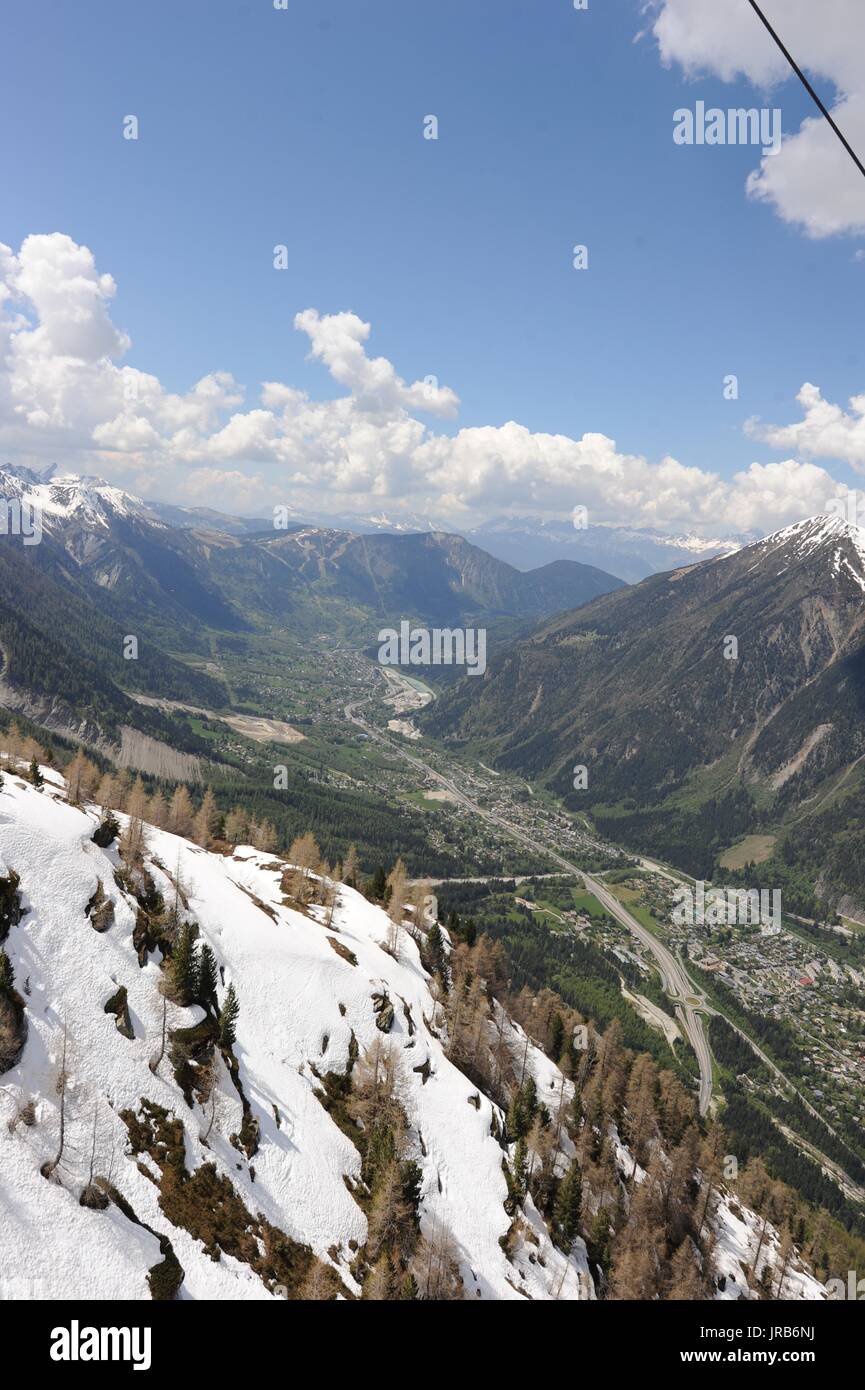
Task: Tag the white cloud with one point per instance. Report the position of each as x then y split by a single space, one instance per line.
826 431
66 395
812 182
338 339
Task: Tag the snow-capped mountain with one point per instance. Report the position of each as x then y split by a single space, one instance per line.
526 542
840 543
138 1158
62 498
663 690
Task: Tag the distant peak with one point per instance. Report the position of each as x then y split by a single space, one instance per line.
815 531
842 542
59 495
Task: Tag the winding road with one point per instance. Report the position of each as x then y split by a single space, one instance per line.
687 997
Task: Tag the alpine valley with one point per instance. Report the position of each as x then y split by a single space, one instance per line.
322 978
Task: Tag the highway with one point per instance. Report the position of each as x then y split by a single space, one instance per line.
676 982
675 979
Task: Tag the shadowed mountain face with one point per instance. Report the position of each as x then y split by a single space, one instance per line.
104 566
433 576
182 579
63 661
756 658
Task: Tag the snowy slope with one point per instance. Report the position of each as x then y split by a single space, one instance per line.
843 543
300 1003
66 497
738 1240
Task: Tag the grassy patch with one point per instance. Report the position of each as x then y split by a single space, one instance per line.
754 849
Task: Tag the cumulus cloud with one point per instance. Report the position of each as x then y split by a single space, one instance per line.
812 181
825 431
67 394
337 340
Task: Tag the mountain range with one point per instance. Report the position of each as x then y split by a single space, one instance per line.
630 553
701 703
526 542
108 566
219 573
715 700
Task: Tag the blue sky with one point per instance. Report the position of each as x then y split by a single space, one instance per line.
304 127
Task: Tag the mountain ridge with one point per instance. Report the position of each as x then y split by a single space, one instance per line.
755 657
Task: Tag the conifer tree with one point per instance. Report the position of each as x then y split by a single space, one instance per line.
132 841
379 1282
35 775
557 1036
686 1282
396 892
205 821
108 792
228 1019
377 885
520 1168
180 812
266 838
73 773
184 965
304 854
11 742
436 956
207 977
124 788
350 868
236 826
567 1206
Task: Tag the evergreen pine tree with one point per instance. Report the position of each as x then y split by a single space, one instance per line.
377 885
184 965
567 1206
436 957
228 1018
599 1239
520 1167
207 977
35 775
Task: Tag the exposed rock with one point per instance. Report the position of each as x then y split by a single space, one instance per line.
118 1006
383 1009
100 910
